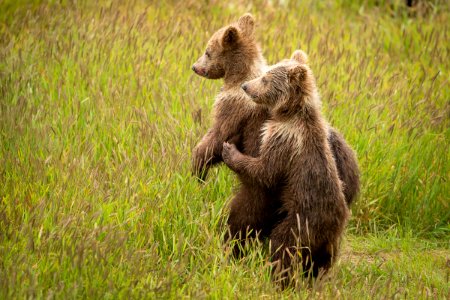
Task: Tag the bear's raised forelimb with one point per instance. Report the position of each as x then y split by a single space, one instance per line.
255 168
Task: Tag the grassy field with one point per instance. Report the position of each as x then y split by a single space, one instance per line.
99 112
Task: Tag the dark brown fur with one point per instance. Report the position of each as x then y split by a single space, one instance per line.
232 54
295 156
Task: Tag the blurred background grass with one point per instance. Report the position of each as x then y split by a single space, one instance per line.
99 112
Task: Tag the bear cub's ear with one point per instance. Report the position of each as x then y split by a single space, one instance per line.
230 37
246 23
300 56
297 74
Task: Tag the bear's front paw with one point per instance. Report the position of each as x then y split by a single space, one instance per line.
229 152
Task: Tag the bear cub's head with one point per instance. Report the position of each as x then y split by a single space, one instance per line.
230 45
287 84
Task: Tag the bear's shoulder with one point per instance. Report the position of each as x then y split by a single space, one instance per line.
233 98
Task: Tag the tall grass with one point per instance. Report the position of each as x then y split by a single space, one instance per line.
99 112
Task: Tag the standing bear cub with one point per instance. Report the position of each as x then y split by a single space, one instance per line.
295 155
233 54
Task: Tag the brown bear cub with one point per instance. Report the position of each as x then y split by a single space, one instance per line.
295 155
233 54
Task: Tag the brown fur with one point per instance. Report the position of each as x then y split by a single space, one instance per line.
296 156
236 59
232 53
343 154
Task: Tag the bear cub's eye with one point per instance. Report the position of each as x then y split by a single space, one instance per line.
208 55
264 80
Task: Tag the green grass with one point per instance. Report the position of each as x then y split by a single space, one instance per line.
99 112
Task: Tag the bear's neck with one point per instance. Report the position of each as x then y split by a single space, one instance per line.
309 123
305 111
243 70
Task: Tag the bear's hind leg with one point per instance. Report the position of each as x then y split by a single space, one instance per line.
291 251
252 215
